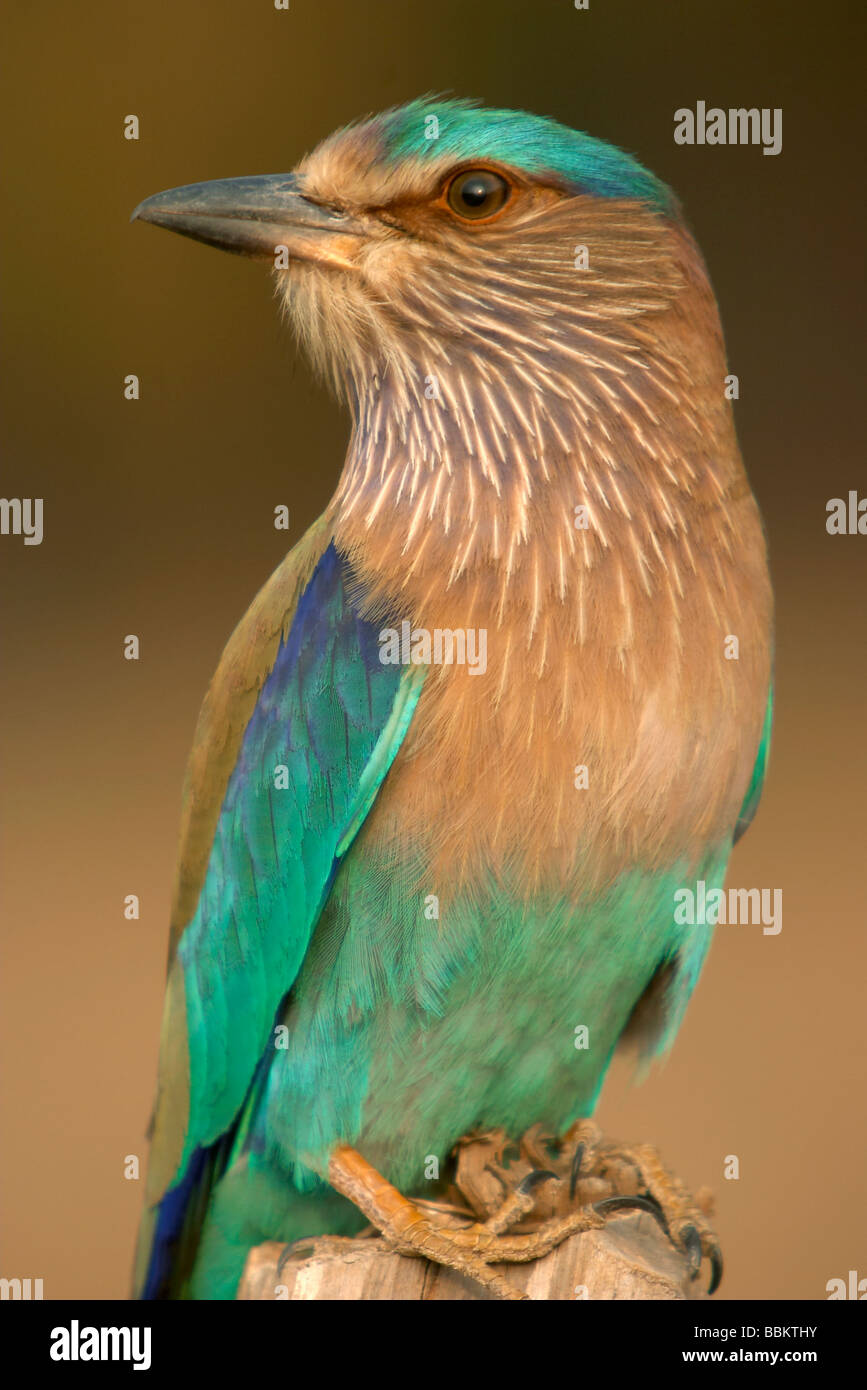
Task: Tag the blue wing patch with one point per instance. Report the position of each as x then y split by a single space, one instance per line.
327 725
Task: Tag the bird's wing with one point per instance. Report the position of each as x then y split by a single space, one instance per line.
297 733
757 781
659 1012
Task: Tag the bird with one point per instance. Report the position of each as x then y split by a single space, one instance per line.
507 697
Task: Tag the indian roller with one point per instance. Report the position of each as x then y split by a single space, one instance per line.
406 883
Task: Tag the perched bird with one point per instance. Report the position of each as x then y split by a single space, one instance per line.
507 696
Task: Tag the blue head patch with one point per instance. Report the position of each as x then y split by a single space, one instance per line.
534 144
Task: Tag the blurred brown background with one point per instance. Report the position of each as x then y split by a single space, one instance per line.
158 521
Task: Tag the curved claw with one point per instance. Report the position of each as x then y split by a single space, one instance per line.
574 1175
496 1172
533 1179
694 1248
296 1250
691 1242
716 1270
609 1204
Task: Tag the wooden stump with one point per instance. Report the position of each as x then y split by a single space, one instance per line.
630 1257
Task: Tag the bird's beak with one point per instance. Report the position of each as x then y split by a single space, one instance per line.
255 217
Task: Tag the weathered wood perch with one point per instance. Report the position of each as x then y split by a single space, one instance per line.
630 1257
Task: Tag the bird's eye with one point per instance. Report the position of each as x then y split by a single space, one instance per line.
477 193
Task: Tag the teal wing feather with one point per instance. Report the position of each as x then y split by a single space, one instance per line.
324 730
757 781
658 1015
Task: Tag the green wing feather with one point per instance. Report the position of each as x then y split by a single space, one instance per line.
298 731
757 781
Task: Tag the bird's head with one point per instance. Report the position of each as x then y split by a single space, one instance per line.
491 291
440 230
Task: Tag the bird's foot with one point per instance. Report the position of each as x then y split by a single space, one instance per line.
413 1229
496 1215
549 1181
637 1172
421 1229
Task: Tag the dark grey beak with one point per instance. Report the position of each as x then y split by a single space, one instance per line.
253 217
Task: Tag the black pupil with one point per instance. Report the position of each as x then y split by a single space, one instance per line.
475 191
